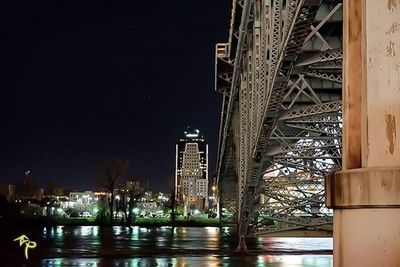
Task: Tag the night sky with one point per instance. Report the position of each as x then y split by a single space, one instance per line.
83 81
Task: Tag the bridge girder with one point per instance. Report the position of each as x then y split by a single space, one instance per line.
280 131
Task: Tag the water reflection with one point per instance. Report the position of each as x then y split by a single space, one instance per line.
294 244
211 261
295 260
167 246
70 262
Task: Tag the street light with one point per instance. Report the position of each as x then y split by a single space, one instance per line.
95 210
135 210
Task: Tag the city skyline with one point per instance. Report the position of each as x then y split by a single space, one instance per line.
80 86
126 176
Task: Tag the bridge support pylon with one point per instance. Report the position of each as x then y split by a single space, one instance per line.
242 248
365 195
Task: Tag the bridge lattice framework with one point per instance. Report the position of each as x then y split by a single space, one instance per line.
280 75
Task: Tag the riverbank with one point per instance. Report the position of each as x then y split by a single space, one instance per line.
145 222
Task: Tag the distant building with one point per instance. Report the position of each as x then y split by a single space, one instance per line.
61 191
135 185
83 197
131 188
191 171
27 189
8 190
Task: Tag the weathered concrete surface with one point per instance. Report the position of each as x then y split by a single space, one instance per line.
366 238
366 194
366 187
382 97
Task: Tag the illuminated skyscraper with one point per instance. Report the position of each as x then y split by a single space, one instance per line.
191 171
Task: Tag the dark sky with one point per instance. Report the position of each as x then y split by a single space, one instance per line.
83 81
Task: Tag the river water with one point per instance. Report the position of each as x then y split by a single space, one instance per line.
158 246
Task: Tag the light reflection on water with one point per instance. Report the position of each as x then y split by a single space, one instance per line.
211 261
182 246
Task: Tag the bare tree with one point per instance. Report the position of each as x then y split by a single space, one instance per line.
134 194
173 207
110 172
121 204
172 200
127 201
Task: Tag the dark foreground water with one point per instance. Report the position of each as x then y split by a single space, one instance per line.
161 246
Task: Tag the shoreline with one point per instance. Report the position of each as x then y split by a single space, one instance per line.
143 222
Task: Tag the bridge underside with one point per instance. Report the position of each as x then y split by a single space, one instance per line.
280 75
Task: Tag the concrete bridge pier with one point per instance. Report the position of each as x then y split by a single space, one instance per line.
242 248
365 195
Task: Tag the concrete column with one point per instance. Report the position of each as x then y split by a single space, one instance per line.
241 248
365 195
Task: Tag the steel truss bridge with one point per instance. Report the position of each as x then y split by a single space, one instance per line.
280 75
